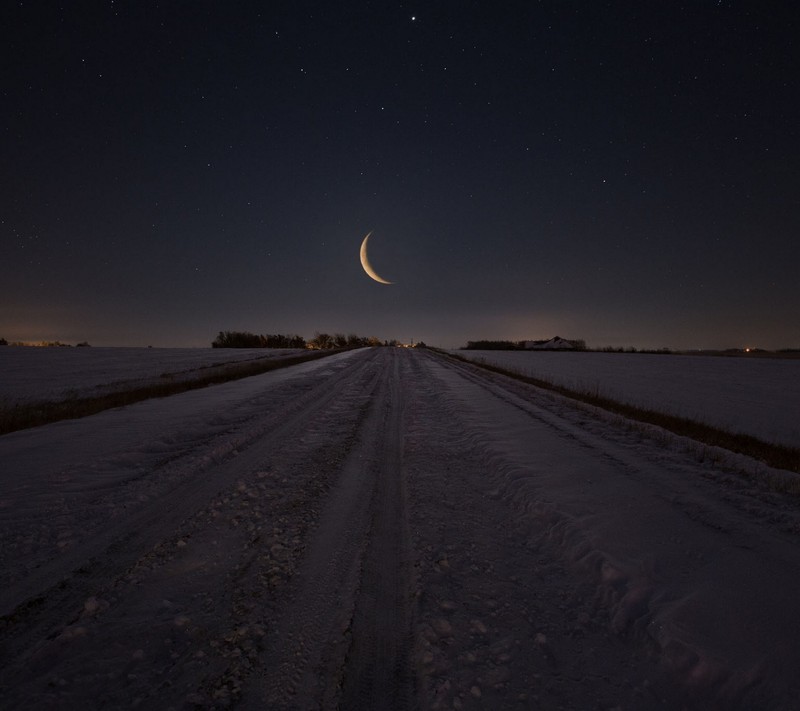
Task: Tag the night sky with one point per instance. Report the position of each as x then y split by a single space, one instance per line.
621 172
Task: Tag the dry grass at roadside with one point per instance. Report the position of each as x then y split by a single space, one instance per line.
22 416
773 455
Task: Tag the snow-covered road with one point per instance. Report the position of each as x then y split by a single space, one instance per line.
386 529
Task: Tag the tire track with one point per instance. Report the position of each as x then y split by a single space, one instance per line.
503 622
378 671
46 602
643 527
343 637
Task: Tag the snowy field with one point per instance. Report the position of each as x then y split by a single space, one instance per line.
755 396
29 374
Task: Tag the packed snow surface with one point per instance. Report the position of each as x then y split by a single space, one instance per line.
388 529
755 396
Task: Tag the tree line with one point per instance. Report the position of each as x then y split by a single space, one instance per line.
320 341
493 346
42 344
245 339
485 345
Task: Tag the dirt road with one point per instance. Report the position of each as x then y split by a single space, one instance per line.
386 529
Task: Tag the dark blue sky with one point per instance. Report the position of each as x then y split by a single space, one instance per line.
621 172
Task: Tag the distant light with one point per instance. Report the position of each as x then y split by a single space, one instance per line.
746 350
413 18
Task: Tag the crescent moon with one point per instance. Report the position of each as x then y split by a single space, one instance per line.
367 266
